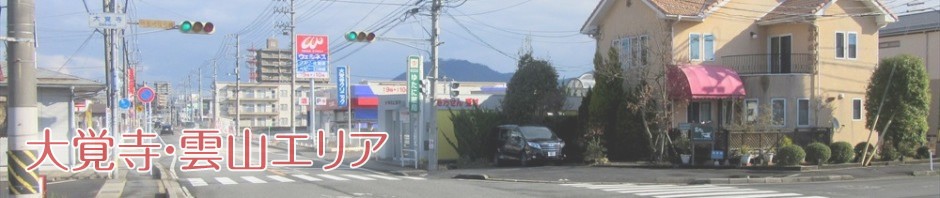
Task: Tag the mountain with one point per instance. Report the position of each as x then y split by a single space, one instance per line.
462 70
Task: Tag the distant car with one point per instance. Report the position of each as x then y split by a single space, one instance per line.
526 144
166 130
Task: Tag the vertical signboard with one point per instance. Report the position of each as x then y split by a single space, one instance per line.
341 97
131 81
312 56
415 71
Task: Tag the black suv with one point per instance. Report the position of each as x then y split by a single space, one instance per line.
526 144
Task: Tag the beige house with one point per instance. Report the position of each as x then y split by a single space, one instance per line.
807 61
919 35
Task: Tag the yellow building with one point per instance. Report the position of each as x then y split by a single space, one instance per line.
809 61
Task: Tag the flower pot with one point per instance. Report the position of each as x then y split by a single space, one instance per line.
769 158
685 158
746 160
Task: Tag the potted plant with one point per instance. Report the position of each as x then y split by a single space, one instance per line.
682 146
769 156
745 155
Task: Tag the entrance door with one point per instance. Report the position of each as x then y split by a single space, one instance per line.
780 61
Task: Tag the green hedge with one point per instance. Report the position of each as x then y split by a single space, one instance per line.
817 153
923 153
889 153
842 152
791 155
860 147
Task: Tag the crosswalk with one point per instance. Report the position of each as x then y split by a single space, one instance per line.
680 191
197 182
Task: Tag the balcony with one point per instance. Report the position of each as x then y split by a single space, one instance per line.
257 98
760 64
256 113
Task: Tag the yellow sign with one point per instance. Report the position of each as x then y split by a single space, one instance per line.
140 108
88 118
154 23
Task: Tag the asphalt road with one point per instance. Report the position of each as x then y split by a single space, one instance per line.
346 182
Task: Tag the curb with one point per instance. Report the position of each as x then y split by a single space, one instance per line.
925 173
686 180
472 176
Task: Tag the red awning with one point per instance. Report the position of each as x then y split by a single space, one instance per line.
705 82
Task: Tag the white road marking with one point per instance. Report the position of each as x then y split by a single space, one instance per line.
357 177
675 191
280 179
414 178
383 177
197 182
723 194
225 180
760 195
332 177
308 178
253 179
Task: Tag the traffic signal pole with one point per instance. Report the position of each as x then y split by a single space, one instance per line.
24 114
432 129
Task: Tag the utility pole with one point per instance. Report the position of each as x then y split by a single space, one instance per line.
432 129
215 95
24 114
293 71
110 6
238 79
289 30
199 98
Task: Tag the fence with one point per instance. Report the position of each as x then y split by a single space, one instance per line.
768 139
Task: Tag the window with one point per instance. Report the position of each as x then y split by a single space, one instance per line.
853 45
709 47
283 93
779 111
633 51
802 112
284 122
750 110
695 46
283 107
846 45
857 109
727 112
699 112
889 44
840 45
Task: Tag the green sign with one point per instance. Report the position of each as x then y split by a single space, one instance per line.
703 133
415 72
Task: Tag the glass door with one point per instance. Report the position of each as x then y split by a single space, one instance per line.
780 61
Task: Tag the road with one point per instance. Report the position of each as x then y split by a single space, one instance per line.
346 182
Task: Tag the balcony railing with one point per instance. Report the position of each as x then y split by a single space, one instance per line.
254 112
793 63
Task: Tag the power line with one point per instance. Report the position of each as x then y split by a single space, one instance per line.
80 47
497 10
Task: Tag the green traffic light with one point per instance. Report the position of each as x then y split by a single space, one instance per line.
352 36
186 26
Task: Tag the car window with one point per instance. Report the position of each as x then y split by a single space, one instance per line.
537 133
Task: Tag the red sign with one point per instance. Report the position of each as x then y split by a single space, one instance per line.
312 44
304 101
130 81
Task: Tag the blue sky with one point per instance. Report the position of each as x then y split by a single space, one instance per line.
171 55
497 28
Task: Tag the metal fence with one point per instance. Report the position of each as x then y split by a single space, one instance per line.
770 63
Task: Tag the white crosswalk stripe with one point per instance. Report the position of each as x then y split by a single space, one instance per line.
197 182
332 177
383 177
225 181
253 179
280 179
681 191
308 178
358 177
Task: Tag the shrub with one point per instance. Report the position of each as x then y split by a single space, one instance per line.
860 147
791 155
818 153
923 153
841 152
785 141
595 152
889 153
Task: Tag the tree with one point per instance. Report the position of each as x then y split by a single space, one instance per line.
906 97
533 91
